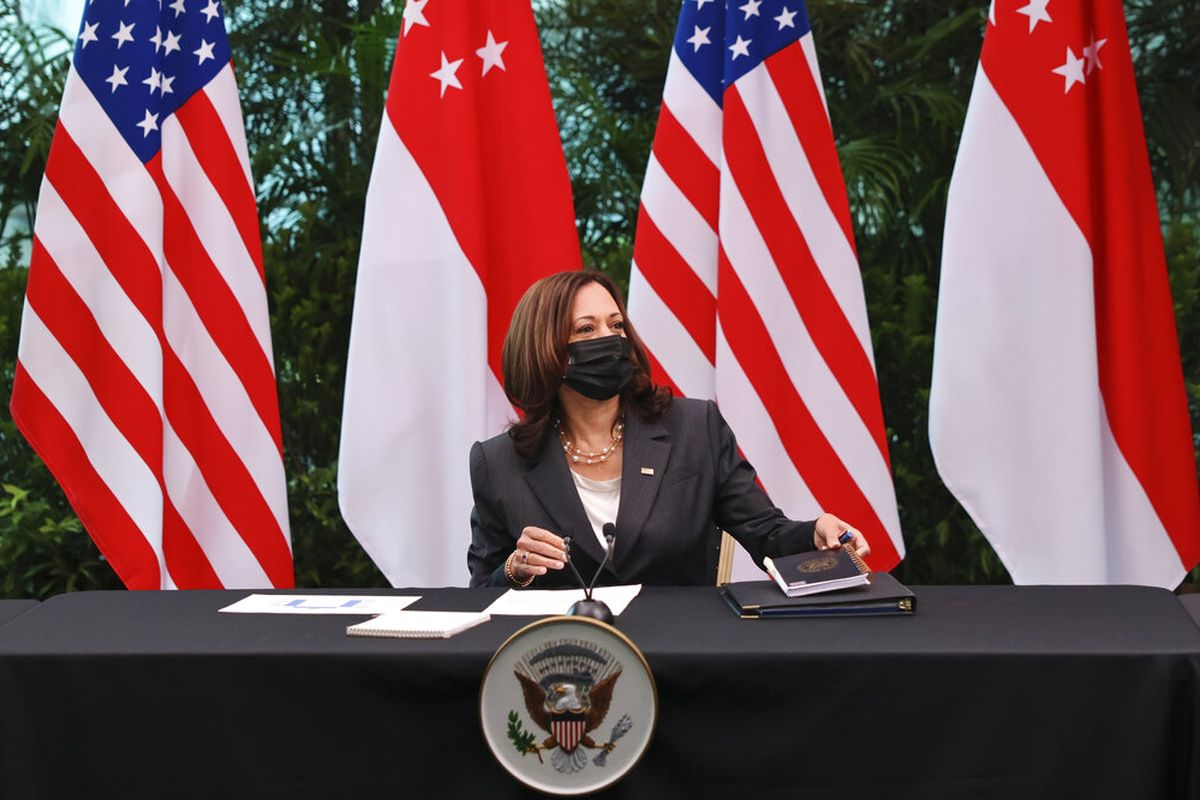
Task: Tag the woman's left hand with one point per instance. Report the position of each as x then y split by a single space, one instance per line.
829 528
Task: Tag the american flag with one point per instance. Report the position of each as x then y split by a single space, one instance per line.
144 377
745 283
469 204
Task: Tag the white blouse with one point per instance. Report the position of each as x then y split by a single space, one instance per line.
601 499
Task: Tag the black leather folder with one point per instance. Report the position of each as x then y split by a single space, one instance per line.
883 596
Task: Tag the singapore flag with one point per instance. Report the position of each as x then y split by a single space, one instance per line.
1057 411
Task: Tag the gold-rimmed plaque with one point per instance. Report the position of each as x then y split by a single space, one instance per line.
568 705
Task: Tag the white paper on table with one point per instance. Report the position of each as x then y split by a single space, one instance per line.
545 602
319 604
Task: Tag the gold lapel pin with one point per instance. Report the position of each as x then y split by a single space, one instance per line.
647 470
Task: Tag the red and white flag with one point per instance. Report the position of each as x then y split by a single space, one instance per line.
145 378
469 204
745 283
1057 411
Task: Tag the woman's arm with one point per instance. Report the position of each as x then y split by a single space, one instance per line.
490 541
741 507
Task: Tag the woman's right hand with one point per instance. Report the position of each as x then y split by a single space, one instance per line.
537 551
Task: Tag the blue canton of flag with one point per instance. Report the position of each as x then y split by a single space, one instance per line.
721 40
143 60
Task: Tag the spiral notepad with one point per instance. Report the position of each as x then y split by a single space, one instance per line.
418 624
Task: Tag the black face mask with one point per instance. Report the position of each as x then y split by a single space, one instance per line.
599 368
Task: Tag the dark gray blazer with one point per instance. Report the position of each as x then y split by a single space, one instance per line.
669 522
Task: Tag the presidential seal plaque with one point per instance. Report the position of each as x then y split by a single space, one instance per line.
568 705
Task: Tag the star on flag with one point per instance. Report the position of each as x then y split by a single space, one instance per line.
124 34
117 78
740 47
150 123
414 14
1071 70
1091 54
88 34
446 74
699 38
491 53
1036 11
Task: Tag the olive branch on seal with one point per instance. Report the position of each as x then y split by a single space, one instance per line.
522 739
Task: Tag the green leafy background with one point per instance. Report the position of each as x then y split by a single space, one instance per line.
313 75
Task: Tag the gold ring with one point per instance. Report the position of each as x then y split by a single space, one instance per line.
524 557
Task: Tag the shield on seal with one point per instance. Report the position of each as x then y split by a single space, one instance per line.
568 729
568 705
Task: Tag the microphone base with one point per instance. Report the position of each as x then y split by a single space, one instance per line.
594 609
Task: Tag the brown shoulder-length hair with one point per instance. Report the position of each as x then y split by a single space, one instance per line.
534 358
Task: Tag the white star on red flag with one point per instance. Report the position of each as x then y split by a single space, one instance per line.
1091 54
446 74
414 14
1071 70
1036 11
491 53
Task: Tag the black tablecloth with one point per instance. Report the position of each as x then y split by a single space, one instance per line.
1191 602
987 692
11 609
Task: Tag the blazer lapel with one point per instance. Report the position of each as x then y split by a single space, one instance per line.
647 449
550 480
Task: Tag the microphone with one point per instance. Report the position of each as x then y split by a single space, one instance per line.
588 606
574 569
610 537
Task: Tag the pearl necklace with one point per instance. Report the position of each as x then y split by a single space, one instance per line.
577 456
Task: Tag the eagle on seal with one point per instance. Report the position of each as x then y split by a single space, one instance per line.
569 699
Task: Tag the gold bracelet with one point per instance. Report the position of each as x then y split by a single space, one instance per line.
511 577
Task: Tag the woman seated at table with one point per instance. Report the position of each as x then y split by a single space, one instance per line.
599 443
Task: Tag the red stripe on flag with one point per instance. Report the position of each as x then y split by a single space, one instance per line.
228 479
680 289
217 157
123 399
818 308
120 247
687 166
659 375
816 461
113 530
218 308
185 559
797 87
